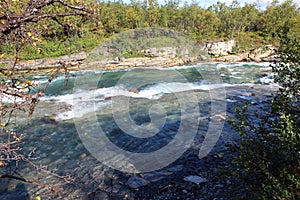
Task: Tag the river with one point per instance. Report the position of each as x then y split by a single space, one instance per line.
151 117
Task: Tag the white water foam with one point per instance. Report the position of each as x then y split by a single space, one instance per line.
269 79
90 100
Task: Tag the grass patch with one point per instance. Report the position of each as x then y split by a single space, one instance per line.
55 48
133 54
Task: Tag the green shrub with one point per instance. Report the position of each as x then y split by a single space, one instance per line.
133 54
269 151
247 41
55 48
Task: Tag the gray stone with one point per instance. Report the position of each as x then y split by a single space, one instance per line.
176 168
203 58
74 57
232 58
258 54
136 182
153 176
101 196
218 118
160 52
195 179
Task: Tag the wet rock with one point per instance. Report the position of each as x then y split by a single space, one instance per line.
116 188
254 103
49 118
101 196
82 156
195 179
156 176
135 182
134 90
176 168
217 118
244 97
231 100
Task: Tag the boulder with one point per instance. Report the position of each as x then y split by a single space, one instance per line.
232 58
134 90
135 182
221 48
160 52
261 53
195 179
74 57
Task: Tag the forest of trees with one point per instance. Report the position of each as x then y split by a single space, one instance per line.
60 34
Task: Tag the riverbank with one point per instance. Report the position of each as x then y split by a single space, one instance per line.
152 57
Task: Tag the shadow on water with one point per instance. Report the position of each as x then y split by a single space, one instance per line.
10 189
57 146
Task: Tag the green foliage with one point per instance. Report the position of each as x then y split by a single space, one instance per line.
130 43
269 158
132 54
247 41
55 48
250 25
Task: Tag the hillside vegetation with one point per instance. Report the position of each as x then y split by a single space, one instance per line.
57 35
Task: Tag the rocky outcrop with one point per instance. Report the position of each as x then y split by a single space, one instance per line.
261 53
267 53
221 48
135 182
71 61
153 57
161 52
231 58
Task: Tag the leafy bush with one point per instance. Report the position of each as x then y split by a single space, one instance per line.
269 151
133 54
247 41
55 47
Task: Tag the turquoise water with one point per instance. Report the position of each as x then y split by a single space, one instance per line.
95 102
229 73
148 102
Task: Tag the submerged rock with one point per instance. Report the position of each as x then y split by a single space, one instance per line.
176 168
195 179
218 117
134 90
136 182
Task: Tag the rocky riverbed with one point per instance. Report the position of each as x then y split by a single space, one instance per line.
59 146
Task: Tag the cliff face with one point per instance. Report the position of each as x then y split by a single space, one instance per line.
222 48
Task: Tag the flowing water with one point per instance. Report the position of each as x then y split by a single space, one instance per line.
139 110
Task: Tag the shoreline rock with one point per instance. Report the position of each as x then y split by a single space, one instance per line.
154 57
268 53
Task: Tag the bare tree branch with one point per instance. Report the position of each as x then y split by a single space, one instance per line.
32 14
